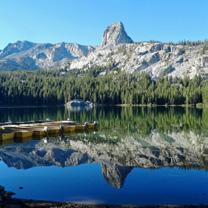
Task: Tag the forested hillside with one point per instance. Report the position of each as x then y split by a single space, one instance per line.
51 88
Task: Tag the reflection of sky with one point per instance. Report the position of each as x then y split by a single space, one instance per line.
85 184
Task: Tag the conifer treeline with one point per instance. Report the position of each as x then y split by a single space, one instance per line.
51 88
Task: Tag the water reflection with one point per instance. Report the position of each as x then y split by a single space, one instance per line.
127 138
131 154
117 152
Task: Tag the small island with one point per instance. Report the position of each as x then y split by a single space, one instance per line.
79 104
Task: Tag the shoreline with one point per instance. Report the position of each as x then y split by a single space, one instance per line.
7 201
21 203
200 105
31 106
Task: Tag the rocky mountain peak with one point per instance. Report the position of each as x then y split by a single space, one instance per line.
115 34
16 47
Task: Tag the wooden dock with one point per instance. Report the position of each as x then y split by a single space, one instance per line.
18 131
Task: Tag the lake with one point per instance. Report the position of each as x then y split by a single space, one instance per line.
137 156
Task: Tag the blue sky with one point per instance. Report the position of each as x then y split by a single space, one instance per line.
84 21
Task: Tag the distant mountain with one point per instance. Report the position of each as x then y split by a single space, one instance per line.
115 34
28 55
117 51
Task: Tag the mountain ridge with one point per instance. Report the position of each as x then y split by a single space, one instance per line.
117 50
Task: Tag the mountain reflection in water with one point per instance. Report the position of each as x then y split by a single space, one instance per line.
128 143
116 155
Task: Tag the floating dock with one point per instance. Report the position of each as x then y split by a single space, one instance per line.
21 131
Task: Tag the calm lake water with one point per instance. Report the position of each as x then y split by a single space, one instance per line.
137 156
